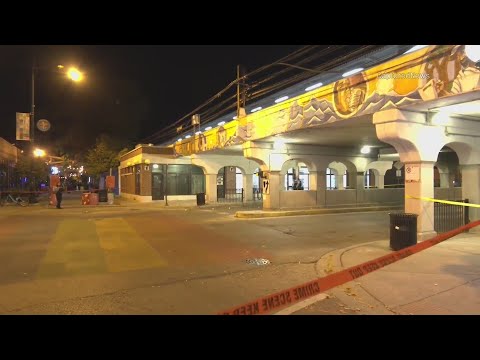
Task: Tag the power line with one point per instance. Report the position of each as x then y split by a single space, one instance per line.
329 55
285 58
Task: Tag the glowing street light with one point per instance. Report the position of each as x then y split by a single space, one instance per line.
74 74
39 153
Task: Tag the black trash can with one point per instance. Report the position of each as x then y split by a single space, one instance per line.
102 196
200 199
403 230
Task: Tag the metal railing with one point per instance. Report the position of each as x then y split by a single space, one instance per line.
448 217
230 195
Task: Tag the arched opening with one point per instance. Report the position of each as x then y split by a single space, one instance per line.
256 185
447 175
331 179
297 178
451 154
457 178
238 179
337 176
447 181
230 184
395 177
436 177
447 172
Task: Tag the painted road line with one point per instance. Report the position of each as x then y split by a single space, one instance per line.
124 248
301 305
74 250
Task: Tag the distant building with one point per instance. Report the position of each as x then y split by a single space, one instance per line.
8 158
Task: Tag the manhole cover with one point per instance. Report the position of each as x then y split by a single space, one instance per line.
259 262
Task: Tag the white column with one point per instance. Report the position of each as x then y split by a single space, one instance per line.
339 182
421 188
471 188
360 187
380 181
248 187
418 144
321 187
312 180
380 167
211 188
272 200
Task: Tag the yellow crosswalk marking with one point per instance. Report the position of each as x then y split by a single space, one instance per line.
124 249
74 250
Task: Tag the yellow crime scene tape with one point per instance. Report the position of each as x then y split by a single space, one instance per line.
443 201
287 297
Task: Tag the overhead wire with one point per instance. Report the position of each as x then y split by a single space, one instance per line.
367 64
215 111
288 57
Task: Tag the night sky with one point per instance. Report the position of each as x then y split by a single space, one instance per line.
129 92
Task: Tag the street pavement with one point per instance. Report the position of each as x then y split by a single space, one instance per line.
131 258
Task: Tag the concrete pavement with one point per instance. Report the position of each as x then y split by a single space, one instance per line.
443 279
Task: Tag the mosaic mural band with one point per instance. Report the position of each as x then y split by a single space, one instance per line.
430 73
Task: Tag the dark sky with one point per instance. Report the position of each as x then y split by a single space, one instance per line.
129 92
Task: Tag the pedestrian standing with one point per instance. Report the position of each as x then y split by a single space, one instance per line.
59 195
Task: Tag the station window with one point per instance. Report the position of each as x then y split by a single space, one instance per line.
331 180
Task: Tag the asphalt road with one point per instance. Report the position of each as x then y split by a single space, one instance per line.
144 259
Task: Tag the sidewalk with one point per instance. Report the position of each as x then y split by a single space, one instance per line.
443 279
72 200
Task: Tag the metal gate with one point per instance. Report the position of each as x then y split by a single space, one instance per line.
230 195
448 217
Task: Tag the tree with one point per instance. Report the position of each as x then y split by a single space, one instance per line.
102 157
33 168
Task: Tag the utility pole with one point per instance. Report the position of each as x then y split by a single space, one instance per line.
165 185
32 114
241 92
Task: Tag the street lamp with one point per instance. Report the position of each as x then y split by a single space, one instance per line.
52 160
73 74
39 152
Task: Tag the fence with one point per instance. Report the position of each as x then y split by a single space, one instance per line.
230 195
448 217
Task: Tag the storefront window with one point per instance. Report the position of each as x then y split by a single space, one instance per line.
183 179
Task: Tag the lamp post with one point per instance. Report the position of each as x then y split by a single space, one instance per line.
166 185
72 73
32 114
39 152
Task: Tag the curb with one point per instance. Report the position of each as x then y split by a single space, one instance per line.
352 294
266 214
